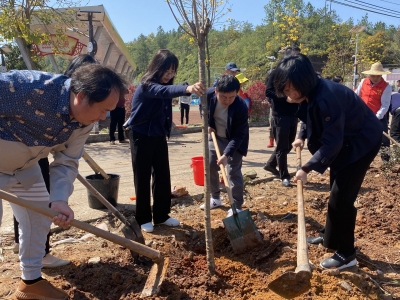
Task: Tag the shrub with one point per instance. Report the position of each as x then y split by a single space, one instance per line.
128 100
259 107
259 111
256 91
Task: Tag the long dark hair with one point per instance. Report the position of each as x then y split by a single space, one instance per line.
161 62
78 61
298 70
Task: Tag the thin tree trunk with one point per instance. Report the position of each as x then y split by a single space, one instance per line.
208 63
204 108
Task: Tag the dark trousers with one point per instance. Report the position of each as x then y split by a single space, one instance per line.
284 130
150 161
117 119
341 217
395 125
45 168
185 110
385 121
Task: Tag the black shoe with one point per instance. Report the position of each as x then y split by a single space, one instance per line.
315 240
339 261
286 183
274 171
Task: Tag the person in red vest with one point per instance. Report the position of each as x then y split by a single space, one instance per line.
376 93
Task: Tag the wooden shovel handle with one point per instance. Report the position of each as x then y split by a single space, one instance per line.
95 167
223 171
390 138
151 253
221 166
302 249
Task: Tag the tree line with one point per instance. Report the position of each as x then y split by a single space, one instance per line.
320 33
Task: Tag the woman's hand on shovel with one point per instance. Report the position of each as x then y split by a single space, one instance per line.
298 143
66 214
300 175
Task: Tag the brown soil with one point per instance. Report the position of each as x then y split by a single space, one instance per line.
244 276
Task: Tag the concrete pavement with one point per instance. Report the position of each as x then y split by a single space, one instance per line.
116 159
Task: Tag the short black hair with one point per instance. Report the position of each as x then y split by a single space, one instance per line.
78 61
337 79
298 70
398 80
96 82
227 83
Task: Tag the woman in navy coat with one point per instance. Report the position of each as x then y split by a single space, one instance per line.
342 134
150 126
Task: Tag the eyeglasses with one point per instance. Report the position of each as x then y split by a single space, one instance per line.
170 74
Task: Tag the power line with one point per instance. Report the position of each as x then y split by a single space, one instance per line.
376 6
389 2
375 12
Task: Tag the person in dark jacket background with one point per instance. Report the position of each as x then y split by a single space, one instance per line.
284 127
343 134
228 118
117 117
150 125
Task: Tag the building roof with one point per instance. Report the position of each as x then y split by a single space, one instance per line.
111 49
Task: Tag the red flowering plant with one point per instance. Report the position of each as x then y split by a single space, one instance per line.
128 100
259 109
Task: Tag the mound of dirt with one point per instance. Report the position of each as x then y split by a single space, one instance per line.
102 270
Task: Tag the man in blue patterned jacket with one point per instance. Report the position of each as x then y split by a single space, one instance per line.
42 113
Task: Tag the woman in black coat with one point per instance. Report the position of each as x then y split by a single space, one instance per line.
342 134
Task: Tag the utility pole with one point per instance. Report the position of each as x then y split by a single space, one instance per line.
356 30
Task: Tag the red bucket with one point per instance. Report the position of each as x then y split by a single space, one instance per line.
198 170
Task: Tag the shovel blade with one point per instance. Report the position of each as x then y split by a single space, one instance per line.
155 278
291 284
242 232
131 231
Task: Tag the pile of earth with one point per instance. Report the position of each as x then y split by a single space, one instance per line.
102 270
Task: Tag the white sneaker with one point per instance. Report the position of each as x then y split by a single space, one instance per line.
214 203
50 261
171 222
230 212
147 227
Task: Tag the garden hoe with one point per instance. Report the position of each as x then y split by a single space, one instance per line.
242 231
131 230
157 271
392 139
292 284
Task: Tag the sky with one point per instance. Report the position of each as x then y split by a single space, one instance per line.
134 17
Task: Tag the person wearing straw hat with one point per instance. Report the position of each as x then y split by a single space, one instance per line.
376 93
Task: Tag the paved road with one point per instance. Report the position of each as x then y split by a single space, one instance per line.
116 160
